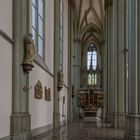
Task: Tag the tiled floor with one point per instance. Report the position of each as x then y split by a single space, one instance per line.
83 130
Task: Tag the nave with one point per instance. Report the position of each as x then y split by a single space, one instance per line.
65 59
83 130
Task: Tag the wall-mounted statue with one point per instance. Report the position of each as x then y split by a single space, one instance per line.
29 53
60 78
47 94
38 90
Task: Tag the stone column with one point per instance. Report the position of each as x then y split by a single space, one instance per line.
56 114
70 37
76 74
117 71
132 130
107 67
20 117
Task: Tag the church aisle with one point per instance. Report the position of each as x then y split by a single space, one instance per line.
83 131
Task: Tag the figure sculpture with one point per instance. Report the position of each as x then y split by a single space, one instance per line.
60 77
29 53
29 50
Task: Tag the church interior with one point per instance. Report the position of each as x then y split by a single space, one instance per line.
69 70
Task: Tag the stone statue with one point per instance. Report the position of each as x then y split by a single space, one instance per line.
30 49
60 77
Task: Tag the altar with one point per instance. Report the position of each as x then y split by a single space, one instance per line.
90 101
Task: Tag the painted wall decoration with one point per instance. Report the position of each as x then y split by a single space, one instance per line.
47 94
38 90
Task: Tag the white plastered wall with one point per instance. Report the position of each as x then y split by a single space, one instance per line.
5 68
42 111
5 87
6 16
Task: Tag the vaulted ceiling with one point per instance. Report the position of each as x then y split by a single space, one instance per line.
89 15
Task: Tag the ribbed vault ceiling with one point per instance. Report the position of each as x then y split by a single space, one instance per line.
89 12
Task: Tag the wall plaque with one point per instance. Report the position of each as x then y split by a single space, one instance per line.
47 94
38 90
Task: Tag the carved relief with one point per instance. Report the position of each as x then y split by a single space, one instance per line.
47 94
38 90
29 53
60 77
90 101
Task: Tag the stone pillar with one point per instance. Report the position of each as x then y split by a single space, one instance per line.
70 37
107 67
126 56
20 117
132 130
117 71
76 75
56 114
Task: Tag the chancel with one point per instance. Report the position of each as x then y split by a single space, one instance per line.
69 69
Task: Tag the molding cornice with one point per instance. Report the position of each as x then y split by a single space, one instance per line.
42 64
6 37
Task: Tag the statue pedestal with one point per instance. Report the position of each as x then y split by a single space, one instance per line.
27 67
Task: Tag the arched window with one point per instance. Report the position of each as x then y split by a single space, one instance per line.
92 64
92 57
92 79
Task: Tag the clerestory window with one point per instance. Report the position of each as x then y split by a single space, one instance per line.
38 24
92 57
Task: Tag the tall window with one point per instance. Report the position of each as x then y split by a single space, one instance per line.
92 57
92 64
61 35
92 79
38 24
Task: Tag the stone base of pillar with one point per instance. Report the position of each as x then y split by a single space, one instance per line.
20 126
131 137
69 117
118 120
56 123
107 118
132 127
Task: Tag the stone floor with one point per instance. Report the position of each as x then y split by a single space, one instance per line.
83 130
